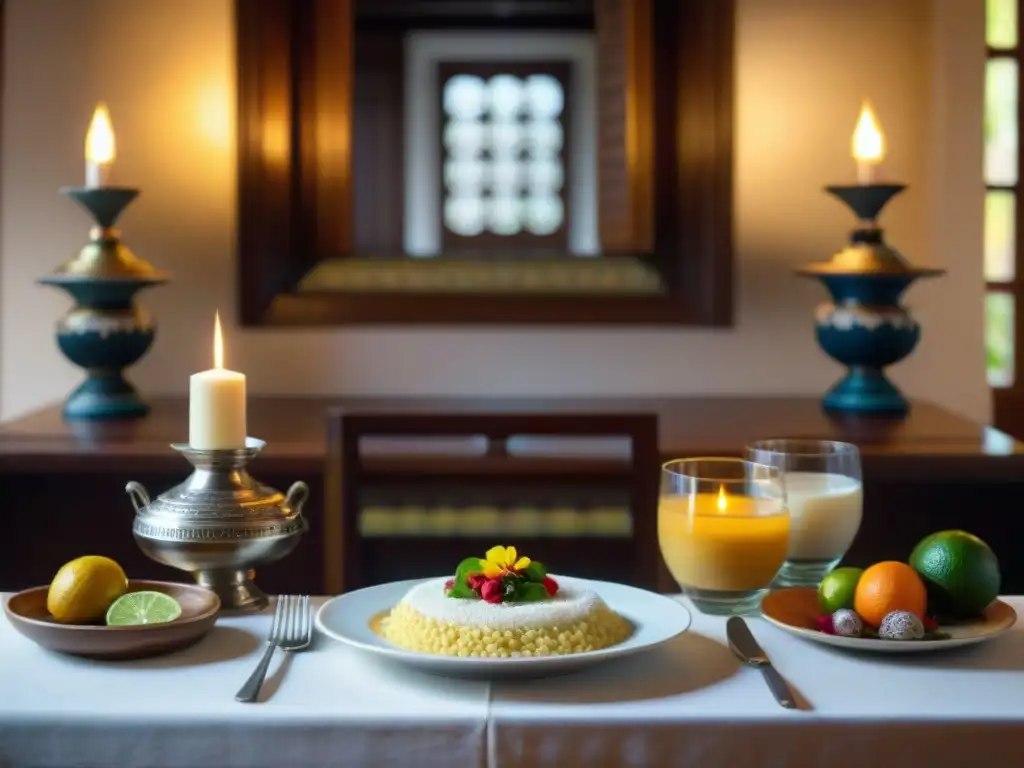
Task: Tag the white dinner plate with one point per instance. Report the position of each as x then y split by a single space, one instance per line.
795 610
656 619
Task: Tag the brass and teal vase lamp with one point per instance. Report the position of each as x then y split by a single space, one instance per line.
106 331
865 327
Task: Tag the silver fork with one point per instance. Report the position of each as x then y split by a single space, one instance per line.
290 630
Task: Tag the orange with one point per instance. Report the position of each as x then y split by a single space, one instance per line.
886 587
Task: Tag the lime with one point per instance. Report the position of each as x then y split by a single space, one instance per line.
84 588
960 571
836 590
143 608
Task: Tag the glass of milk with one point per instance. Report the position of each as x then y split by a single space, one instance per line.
825 498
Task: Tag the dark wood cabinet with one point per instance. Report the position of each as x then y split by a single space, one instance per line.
63 485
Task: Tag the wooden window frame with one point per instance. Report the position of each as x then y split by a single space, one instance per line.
562 72
1008 402
295 196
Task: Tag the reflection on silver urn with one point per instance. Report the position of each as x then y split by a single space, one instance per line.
220 523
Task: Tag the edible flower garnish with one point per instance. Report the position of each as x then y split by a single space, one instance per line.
501 576
500 560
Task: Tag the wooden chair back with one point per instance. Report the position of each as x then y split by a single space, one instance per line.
408 495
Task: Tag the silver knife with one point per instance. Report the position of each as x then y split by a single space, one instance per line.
749 652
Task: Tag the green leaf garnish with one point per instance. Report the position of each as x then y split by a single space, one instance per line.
462 591
468 566
530 592
460 588
535 572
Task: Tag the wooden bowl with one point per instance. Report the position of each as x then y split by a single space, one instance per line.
199 609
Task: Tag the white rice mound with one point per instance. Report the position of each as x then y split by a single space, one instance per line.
575 620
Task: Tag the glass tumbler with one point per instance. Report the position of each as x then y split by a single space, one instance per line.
825 498
723 529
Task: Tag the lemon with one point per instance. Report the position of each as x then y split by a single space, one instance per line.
143 607
84 588
836 590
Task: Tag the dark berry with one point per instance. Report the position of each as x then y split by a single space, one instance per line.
492 591
475 580
824 624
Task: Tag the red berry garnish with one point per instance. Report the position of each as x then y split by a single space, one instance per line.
475 580
930 624
449 584
550 585
492 591
824 624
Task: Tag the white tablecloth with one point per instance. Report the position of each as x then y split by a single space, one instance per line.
688 704
325 706
692 704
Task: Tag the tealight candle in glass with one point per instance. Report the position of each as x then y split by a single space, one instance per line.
723 528
825 498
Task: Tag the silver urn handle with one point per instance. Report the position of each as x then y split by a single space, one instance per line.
139 496
296 496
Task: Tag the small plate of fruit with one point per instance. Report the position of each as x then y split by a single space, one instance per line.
945 595
92 609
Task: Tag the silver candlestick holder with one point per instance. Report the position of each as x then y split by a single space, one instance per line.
220 523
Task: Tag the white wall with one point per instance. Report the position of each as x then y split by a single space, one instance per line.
165 69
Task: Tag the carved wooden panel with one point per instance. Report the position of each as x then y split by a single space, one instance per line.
624 119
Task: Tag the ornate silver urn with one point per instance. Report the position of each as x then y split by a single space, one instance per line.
220 523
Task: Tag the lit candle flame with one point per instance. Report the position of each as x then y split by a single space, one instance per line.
218 343
721 498
868 143
100 147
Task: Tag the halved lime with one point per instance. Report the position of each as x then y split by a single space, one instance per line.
137 608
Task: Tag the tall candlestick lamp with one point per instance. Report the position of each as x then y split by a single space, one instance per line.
105 332
864 327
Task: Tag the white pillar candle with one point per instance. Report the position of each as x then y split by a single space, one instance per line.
96 175
100 148
216 404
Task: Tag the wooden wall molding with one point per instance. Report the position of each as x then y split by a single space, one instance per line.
666 198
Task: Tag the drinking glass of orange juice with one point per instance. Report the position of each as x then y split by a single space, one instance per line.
723 527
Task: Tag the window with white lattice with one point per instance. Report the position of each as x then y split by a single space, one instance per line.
503 137
569 138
